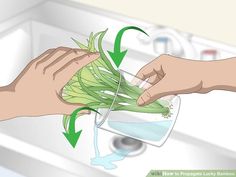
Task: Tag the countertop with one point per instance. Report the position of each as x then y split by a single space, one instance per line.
206 18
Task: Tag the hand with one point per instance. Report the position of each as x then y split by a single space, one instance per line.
37 90
170 75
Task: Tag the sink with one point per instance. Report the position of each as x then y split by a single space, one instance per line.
37 147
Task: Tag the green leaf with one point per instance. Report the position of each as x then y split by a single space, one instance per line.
103 55
84 100
90 77
82 46
90 41
65 122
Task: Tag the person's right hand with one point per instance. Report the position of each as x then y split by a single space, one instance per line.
169 75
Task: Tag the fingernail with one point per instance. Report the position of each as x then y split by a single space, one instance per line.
85 112
75 51
94 53
136 82
140 101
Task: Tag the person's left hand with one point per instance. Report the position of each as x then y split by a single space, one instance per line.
37 90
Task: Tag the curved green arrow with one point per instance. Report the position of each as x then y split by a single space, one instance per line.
117 55
71 135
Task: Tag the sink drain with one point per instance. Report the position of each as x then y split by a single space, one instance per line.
122 145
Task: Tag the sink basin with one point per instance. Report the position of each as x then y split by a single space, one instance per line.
37 147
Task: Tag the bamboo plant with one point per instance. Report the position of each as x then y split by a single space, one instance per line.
96 85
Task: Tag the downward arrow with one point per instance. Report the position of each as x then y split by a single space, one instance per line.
71 135
117 55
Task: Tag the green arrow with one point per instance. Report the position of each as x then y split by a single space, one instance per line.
71 135
117 56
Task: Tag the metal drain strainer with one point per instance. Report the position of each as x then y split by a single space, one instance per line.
122 145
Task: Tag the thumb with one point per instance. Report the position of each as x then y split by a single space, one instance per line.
68 108
162 88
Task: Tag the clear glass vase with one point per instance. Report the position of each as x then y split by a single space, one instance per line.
151 124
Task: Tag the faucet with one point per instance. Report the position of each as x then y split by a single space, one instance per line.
169 41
